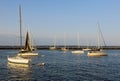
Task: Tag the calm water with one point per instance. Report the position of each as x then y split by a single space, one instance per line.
62 66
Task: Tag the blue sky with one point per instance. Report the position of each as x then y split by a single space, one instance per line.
50 18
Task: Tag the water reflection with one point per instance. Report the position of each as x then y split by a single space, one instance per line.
19 71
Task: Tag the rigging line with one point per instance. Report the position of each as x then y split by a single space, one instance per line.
101 34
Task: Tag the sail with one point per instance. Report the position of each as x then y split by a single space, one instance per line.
27 43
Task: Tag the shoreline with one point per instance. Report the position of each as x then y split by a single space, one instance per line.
72 47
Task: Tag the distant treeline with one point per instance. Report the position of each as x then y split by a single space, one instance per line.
59 47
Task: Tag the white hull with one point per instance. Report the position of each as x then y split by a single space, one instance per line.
18 60
64 49
52 48
87 49
97 53
28 54
78 52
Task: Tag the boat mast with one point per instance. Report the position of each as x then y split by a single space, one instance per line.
98 35
54 41
20 26
78 40
64 40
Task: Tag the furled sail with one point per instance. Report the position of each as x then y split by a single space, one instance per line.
27 43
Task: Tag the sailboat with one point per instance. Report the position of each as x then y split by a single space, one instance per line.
28 49
87 48
98 51
18 59
64 48
54 46
78 51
